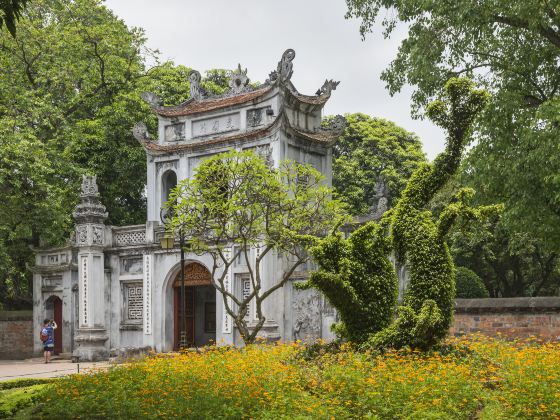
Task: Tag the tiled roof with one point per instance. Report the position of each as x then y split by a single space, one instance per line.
321 136
205 105
311 100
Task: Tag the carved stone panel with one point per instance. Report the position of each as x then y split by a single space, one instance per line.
133 302
254 117
175 132
306 314
210 126
131 265
81 235
97 235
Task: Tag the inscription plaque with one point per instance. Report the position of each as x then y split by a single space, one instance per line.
216 125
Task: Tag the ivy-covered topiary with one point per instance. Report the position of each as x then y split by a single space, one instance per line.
418 239
358 280
356 274
470 285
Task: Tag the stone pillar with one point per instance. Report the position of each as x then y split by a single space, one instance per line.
90 215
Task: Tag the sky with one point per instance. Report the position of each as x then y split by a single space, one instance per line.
207 34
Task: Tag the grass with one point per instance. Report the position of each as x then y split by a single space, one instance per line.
474 377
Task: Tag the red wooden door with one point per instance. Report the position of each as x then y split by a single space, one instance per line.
189 316
57 314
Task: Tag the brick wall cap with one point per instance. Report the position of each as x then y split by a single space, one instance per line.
16 315
520 304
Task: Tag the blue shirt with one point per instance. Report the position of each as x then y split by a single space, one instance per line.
49 331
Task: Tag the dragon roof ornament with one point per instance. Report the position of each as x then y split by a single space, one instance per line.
197 91
327 87
238 81
201 101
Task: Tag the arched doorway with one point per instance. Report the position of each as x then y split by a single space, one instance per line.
53 310
200 307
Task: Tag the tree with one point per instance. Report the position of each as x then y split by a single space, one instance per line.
69 95
512 49
10 12
469 285
358 271
510 263
235 205
373 149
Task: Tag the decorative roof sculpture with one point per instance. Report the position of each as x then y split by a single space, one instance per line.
243 94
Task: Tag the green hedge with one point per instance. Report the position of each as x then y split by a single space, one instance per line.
12 400
470 285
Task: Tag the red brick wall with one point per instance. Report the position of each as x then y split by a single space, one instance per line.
16 334
511 317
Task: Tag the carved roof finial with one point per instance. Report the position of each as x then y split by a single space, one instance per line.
140 132
89 185
197 92
380 200
151 98
238 80
327 87
285 66
337 124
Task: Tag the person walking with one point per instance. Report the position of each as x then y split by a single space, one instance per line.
47 337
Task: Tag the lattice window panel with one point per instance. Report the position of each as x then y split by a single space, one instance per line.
134 301
135 237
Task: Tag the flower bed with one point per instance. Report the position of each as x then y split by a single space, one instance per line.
470 377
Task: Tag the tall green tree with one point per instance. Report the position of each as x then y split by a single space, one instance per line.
10 12
234 205
70 88
511 48
373 149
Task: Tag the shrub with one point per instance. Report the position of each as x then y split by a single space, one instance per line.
470 285
358 280
15 399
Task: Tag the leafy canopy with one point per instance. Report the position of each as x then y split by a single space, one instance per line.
236 206
373 149
69 95
10 12
512 49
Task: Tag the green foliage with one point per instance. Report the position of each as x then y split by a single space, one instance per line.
469 285
372 149
10 12
510 263
479 378
24 382
357 279
512 49
69 96
236 200
418 239
12 400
